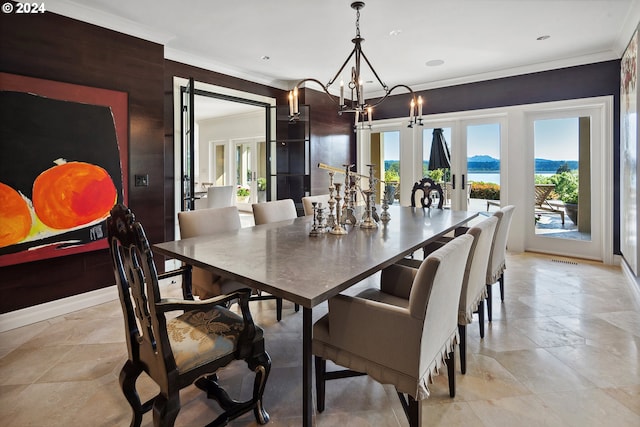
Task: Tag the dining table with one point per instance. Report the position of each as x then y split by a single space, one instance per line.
283 259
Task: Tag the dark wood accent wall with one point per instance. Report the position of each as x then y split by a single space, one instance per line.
585 81
332 138
54 47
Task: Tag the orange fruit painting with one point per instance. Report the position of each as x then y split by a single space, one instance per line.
73 194
15 217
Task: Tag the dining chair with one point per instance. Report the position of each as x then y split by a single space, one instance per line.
400 333
275 211
430 190
474 290
174 350
497 257
307 201
207 222
220 196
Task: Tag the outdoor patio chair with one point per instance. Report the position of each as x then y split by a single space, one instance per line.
543 192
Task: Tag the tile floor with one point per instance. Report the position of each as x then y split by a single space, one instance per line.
563 350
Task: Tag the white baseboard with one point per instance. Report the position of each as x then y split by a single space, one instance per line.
48 310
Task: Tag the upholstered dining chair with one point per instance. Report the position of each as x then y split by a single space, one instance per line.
207 222
220 196
274 211
179 350
399 334
308 200
497 258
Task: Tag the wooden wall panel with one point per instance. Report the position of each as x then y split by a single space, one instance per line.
53 47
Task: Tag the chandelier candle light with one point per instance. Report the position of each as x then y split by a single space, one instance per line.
357 103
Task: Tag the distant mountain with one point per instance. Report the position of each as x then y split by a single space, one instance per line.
482 158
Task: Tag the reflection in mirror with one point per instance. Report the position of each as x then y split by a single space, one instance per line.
562 181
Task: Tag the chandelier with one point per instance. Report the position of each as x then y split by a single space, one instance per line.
356 102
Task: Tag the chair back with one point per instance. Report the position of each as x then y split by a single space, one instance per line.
430 191
308 200
137 282
274 211
543 191
499 247
207 222
435 296
474 288
220 196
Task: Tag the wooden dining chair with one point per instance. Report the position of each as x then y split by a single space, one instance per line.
430 191
275 211
400 333
174 350
497 258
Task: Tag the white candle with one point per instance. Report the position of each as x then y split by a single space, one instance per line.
369 110
420 107
411 109
295 100
341 92
290 103
362 92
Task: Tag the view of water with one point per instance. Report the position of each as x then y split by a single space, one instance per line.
494 177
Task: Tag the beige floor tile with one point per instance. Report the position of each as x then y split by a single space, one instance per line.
590 407
515 411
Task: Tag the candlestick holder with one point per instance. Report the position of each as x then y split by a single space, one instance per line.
331 219
315 229
367 221
337 227
385 216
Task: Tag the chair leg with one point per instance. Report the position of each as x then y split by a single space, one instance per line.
259 383
502 287
128 376
451 372
481 318
279 309
321 368
489 303
296 307
165 409
462 347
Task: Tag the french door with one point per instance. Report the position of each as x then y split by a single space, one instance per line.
564 152
473 177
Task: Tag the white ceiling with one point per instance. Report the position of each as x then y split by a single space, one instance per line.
476 39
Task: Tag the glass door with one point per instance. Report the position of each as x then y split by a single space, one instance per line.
385 155
249 164
564 215
471 179
188 148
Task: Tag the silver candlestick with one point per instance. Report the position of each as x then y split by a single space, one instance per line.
337 227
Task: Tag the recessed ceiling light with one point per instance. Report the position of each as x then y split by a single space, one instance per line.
265 58
545 37
434 63
395 32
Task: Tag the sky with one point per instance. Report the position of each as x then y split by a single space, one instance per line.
555 139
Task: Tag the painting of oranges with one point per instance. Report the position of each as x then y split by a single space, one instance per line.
63 165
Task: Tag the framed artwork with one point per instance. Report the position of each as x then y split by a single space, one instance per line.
63 165
629 153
